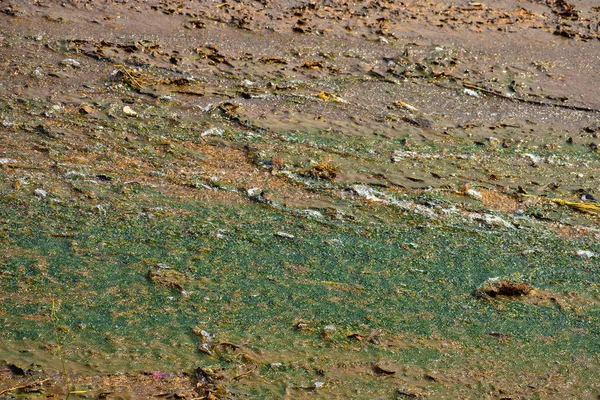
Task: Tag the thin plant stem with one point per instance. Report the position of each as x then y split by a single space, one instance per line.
54 320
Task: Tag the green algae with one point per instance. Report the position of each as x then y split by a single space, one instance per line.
244 283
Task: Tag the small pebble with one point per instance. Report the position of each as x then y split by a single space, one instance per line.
129 111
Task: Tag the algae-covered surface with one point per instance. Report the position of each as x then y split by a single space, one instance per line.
294 199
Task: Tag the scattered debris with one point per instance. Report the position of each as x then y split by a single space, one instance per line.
167 277
326 96
323 170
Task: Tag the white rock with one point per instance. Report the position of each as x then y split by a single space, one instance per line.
585 254
129 111
41 193
474 194
471 92
255 192
284 235
71 63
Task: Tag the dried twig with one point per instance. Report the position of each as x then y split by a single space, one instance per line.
235 378
23 386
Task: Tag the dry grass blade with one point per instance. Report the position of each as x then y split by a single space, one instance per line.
23 386
583 207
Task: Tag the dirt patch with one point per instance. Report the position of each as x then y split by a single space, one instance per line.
504 288
495 200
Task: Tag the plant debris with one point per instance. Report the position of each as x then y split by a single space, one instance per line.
167 277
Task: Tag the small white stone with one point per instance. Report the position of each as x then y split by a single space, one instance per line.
284 235
129 111
71 63
41 193
474 194
585 254
471 92
254 192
